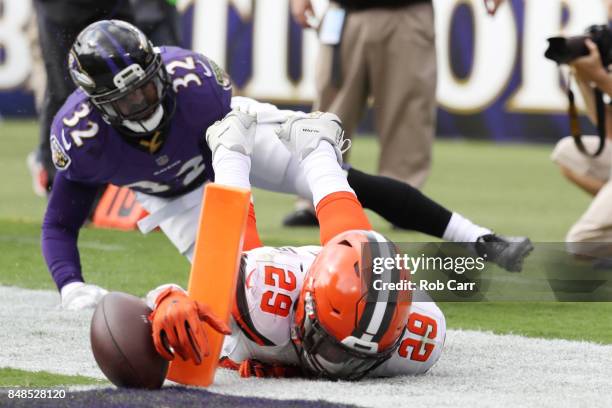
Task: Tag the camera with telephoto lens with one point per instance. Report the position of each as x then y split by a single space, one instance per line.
564 50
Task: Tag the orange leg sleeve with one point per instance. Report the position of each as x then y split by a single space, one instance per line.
251 236
339 212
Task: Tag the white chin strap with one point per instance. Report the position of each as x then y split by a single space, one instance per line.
147 125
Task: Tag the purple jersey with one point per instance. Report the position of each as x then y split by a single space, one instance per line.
88 152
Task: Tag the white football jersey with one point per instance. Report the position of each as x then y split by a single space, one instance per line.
269 284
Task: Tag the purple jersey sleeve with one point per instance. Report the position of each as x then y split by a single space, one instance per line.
75 128
203 89
79 141
180 63
67 210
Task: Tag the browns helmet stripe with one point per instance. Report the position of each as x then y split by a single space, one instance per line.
380 304
391 295
368 312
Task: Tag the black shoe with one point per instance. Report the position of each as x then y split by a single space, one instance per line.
301 218
507 252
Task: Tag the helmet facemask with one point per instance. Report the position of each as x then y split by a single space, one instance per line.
324 356
136 103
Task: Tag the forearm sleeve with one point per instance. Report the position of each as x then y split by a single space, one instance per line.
67 210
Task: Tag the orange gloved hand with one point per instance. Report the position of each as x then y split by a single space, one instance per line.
178 326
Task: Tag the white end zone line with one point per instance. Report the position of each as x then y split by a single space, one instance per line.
477 369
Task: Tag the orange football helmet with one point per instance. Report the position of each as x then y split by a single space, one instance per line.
343 326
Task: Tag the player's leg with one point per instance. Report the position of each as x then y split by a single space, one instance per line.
405 206
274 168
317 141
342 88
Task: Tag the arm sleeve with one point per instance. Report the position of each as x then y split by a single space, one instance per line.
339 212
67 210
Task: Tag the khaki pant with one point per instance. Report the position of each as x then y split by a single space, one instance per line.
388 54
594 226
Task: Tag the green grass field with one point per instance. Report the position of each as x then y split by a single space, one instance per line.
10 377
514 189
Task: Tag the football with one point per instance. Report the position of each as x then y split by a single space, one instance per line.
122 344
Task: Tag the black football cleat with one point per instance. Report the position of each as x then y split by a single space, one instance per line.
507 252
301 218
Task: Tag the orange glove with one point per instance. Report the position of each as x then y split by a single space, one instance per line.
178 326
256 368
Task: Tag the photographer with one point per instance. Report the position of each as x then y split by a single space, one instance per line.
592 233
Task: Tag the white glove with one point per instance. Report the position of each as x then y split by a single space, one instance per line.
79 296
235 132
301 134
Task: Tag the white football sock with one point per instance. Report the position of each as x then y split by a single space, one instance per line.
460 229
232 168
323 173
